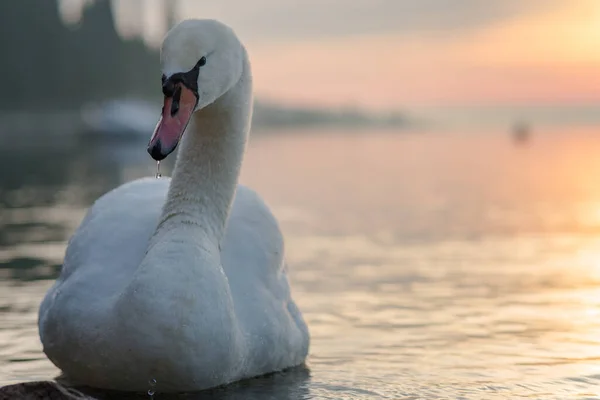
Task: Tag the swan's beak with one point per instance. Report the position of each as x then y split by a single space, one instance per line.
176 114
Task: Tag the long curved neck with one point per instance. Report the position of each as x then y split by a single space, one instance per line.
208 164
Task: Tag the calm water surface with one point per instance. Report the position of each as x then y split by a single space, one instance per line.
428 266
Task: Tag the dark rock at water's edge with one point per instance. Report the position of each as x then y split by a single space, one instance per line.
290 384
42 390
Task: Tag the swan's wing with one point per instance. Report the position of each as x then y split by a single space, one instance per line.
109 244
253 243
114 234
252 256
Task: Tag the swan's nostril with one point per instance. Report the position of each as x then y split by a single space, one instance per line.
176 100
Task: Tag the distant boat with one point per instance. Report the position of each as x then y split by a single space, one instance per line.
120 119
521 131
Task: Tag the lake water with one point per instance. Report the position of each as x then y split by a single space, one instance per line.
428 266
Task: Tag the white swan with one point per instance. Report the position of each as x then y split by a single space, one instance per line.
181 281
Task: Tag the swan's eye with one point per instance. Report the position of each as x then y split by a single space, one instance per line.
163 78
201 62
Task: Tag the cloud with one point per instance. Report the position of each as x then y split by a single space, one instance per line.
318 18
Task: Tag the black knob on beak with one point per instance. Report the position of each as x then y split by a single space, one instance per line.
168 88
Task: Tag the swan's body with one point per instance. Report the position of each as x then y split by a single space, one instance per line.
183 280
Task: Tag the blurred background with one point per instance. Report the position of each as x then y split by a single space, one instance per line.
435 167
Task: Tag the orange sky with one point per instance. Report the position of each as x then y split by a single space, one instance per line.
543 58
325 52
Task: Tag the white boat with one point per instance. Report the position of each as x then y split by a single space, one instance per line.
128 119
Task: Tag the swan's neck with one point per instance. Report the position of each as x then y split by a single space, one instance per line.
208 165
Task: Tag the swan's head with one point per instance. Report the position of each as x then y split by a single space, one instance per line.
200 60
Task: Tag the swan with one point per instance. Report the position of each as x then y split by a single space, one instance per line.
180 281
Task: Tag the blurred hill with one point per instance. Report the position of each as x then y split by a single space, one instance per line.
51 66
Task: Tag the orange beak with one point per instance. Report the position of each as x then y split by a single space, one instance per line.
176 114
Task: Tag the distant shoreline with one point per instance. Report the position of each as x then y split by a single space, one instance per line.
266 116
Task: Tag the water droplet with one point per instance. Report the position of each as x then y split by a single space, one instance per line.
152 383
158 175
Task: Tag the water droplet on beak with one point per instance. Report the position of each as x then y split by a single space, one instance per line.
158 175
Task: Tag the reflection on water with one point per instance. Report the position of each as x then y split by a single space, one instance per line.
427 266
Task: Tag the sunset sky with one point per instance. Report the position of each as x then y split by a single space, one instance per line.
396 53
